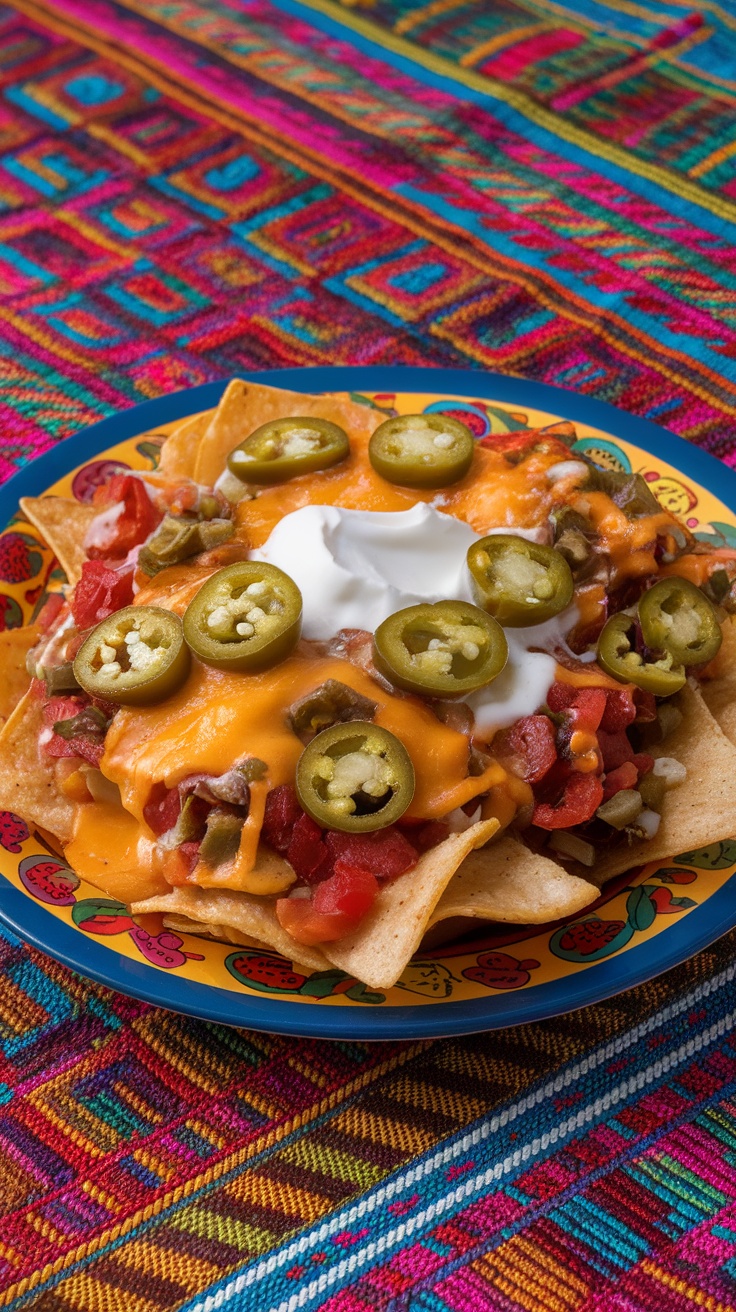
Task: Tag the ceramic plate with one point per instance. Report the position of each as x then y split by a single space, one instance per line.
647 920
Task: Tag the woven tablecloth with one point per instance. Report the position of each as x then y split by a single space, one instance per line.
192 188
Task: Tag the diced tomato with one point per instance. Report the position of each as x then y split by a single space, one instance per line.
161 811
431 834
336 907
62 708
88 749
581 797
624 776
180 863
139 517
350 892
615 749
560 696
50 611
297 916
519 444
281 814
620 709
533 739
307 852
643 762
189 853
588 708
99 592
386 853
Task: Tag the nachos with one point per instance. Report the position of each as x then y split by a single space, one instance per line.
332 682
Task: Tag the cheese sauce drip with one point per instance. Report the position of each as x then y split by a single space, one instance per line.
210 725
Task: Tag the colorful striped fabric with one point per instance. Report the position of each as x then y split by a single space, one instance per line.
190 188
151 1163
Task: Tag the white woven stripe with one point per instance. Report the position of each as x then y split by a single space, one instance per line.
359 1257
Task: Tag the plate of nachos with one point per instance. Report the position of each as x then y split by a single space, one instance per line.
369 702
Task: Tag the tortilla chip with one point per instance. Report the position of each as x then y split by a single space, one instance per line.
220 933
391 932
15 645
180 449
509 883
245 406
239 914
378 951
700 811
719 692
63 524
28 784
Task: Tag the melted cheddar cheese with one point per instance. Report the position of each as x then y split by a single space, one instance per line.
218 719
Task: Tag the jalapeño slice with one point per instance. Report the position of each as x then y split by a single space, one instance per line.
355 777
284 448
440 650
429 450
519 582
248 616
135 657
677 617
617 655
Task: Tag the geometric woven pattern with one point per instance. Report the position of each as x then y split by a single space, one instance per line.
193 189
146 1158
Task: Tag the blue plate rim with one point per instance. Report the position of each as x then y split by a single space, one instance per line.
682 939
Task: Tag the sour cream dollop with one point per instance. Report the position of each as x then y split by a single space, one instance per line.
354 568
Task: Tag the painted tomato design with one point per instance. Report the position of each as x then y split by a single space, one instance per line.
667 905
13 831
48 880
590 936
102 915
94 475
675 875
498 970
263 971
20 558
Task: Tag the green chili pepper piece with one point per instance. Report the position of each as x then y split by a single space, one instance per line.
332 703
621 809
677 617
630 492
617 655
248 616
430 450
286 448
91 722
189 826
652 789
518 582
178 539
222 839
440 650
355 777
60 678
135 657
